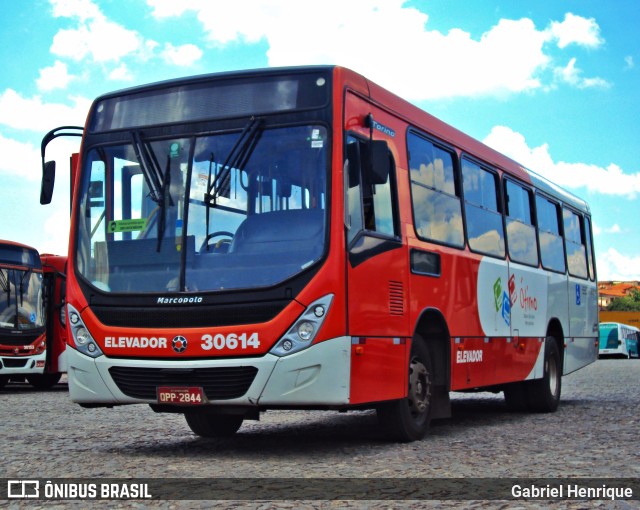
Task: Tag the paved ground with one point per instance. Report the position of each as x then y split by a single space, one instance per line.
595 433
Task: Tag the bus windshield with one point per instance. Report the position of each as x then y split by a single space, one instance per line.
21 296
203 213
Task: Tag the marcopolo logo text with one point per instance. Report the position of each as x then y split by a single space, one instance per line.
185 300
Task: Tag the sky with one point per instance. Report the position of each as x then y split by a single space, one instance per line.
554 84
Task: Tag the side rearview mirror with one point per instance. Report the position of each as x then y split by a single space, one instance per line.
380 162
48 181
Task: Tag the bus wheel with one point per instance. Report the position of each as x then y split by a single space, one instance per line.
3 381
44 381
408 419
544 394
213 425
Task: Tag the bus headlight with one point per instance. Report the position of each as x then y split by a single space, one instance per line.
81 336
304 330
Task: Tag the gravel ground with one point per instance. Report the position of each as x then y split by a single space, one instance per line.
594 434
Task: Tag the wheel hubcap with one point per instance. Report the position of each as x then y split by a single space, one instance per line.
419 387
553 377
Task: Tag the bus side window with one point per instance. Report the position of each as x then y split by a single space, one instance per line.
549 235
590 251
575 244
435 192
483 215
521 234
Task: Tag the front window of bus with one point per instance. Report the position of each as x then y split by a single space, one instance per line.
21 300
204 213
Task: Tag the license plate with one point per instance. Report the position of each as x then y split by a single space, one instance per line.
183 396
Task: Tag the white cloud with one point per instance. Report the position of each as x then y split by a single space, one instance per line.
98 38
32 114
170 8
121 73
576 30
184 55
628 62
612 265
22 159
54 77
81 9
55 237
611 180
613 229
573 76
395 46
19 159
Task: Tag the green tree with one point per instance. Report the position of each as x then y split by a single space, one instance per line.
630 303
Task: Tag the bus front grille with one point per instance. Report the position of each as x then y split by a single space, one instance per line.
15 362
219 383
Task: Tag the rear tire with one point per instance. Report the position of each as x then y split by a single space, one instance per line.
408 419
543 394
213 425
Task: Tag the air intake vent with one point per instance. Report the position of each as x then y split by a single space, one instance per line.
396 298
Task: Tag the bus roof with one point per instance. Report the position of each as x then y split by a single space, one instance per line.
19 254
402 108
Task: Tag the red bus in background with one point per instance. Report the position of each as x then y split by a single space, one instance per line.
23 348
304 239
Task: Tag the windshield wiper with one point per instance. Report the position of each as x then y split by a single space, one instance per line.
6 286
236 159
149 166
26 274
165 199
159 182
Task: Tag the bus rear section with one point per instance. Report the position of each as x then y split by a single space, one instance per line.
22 314
618 340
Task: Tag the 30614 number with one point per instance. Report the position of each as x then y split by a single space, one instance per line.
231 341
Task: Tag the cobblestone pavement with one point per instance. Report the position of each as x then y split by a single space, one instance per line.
594 433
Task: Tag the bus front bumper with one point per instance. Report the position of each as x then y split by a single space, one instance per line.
22 365
317 376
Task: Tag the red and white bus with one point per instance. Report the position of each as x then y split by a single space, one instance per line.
304 239
22 313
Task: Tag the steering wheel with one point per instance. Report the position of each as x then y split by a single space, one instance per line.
222 246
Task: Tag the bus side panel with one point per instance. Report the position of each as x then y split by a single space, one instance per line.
377 282
378 369
377 296
581 348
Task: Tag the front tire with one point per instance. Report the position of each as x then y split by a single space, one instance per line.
213 425
408 419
